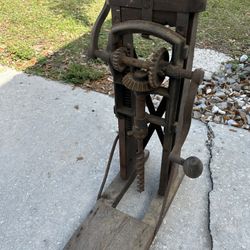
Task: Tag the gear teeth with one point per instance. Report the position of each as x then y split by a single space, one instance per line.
135 85
117 64
155 73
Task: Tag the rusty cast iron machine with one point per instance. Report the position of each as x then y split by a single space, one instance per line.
136 80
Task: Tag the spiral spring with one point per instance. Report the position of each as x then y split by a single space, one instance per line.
140 170
127 98
127 101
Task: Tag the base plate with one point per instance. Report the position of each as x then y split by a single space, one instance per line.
108 228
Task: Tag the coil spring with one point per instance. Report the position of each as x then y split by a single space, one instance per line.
127 101
140 170
127 98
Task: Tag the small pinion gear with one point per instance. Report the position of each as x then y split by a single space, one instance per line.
156 76
116 59
137 81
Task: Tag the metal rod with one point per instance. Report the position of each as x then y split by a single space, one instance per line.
104 55
94 38
176 72
108 167
130 61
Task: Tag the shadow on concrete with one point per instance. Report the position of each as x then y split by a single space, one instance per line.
52 158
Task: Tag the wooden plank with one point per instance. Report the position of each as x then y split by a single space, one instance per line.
152 216
115 191
108 228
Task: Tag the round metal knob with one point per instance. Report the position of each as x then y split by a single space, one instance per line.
192 167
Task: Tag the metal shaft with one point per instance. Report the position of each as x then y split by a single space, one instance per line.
130 61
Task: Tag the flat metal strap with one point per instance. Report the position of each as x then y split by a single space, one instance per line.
190 6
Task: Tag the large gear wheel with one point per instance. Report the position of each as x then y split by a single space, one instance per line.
137 81
116 59
155 75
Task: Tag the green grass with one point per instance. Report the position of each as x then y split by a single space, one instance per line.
225 26
78 74
50 37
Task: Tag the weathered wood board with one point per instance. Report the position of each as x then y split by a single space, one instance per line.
108 228
117 188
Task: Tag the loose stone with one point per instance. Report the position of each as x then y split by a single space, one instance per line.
220 94
208 91
240 103
217 119
248 119
231 80
196 115
222 105
216 99
224 96
221 112
236 87
215 109
243 58
232 123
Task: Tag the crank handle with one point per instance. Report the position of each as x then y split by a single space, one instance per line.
93 50
192 166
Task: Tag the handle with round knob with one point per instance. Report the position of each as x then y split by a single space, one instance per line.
192 166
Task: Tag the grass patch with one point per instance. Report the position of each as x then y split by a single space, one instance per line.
47 37
78 74
21 52
50 37
224 26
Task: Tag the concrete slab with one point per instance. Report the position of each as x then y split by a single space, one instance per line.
52 159
210 60
186 224
229 199
54 145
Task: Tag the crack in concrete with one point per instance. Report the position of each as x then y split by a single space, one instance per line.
210 144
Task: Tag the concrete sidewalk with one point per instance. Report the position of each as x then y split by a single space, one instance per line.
54 144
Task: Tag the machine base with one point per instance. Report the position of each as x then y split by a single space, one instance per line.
108 228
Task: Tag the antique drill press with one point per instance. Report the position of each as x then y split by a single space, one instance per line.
135 81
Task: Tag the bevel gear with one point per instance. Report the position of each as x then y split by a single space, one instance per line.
116 59
155 74
137 81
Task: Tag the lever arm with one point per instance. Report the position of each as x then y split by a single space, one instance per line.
96 30
192 166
